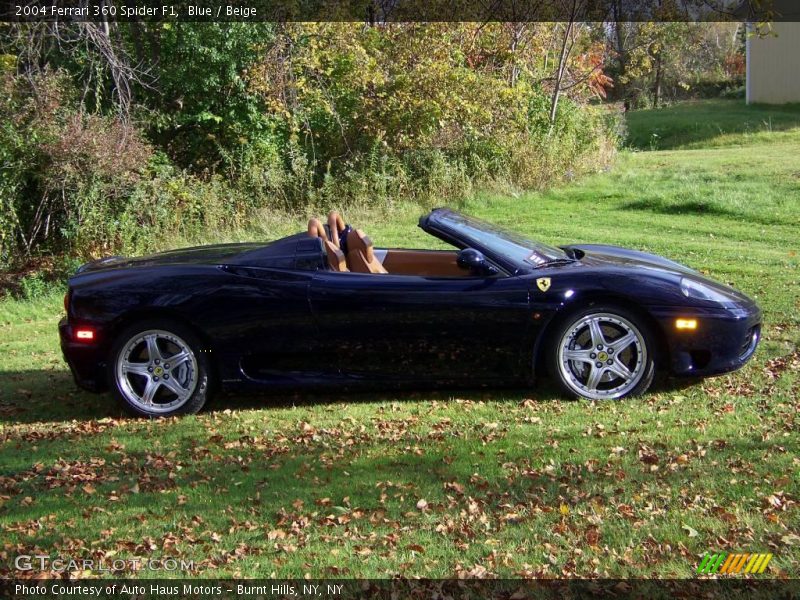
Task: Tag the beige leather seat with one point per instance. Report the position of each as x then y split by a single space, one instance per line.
336 258
360 254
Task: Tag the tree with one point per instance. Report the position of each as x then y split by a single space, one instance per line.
649 57
585 69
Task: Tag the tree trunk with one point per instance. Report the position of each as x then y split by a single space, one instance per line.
562 64
104 19
136 36
657 84
517 34
622 55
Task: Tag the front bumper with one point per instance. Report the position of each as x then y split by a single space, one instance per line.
86 361
725 338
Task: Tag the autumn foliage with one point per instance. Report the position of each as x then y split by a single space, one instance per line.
219 121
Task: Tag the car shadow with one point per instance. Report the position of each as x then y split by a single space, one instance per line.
52 396
690 207
324 396
44 396
696 208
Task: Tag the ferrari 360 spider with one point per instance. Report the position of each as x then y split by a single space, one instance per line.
325 307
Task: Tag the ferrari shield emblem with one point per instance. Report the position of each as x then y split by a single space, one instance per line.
543 283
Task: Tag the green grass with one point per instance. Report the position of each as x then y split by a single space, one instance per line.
708 123
516 483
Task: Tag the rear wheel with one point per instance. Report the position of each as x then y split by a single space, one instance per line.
603 353
158 369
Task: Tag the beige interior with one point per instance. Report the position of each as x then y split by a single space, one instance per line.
336 258
362 257
423 262
361 254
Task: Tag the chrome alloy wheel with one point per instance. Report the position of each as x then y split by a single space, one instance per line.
156 371
602 356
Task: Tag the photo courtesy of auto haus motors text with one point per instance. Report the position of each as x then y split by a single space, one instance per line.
399 299
171 590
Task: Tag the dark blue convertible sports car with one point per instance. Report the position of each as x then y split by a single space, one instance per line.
326 307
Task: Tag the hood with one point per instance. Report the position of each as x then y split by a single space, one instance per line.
597 255
213 254
602 255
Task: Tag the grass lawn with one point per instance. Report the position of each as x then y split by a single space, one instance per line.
439 484
705 123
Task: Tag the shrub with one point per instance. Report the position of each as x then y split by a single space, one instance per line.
34 286
281 118
736 92
67 173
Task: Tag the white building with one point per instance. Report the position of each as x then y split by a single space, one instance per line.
773 60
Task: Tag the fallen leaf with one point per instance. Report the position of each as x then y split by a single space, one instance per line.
692 532
791 539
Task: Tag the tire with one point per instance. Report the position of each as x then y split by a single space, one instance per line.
603 352
143 379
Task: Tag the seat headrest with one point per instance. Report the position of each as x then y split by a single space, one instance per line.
336 258
358 240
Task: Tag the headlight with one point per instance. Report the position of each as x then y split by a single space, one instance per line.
695 289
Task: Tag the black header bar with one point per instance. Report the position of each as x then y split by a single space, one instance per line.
386 11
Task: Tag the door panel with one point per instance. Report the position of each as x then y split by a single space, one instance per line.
263 325
423 328
425 263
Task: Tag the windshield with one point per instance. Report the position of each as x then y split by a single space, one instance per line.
501 241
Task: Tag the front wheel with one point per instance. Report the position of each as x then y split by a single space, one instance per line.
603 353
158 369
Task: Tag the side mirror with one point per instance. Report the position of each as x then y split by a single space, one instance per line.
475 262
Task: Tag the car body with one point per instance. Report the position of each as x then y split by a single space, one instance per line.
488 312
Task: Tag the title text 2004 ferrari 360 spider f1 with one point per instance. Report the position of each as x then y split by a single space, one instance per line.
325 307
